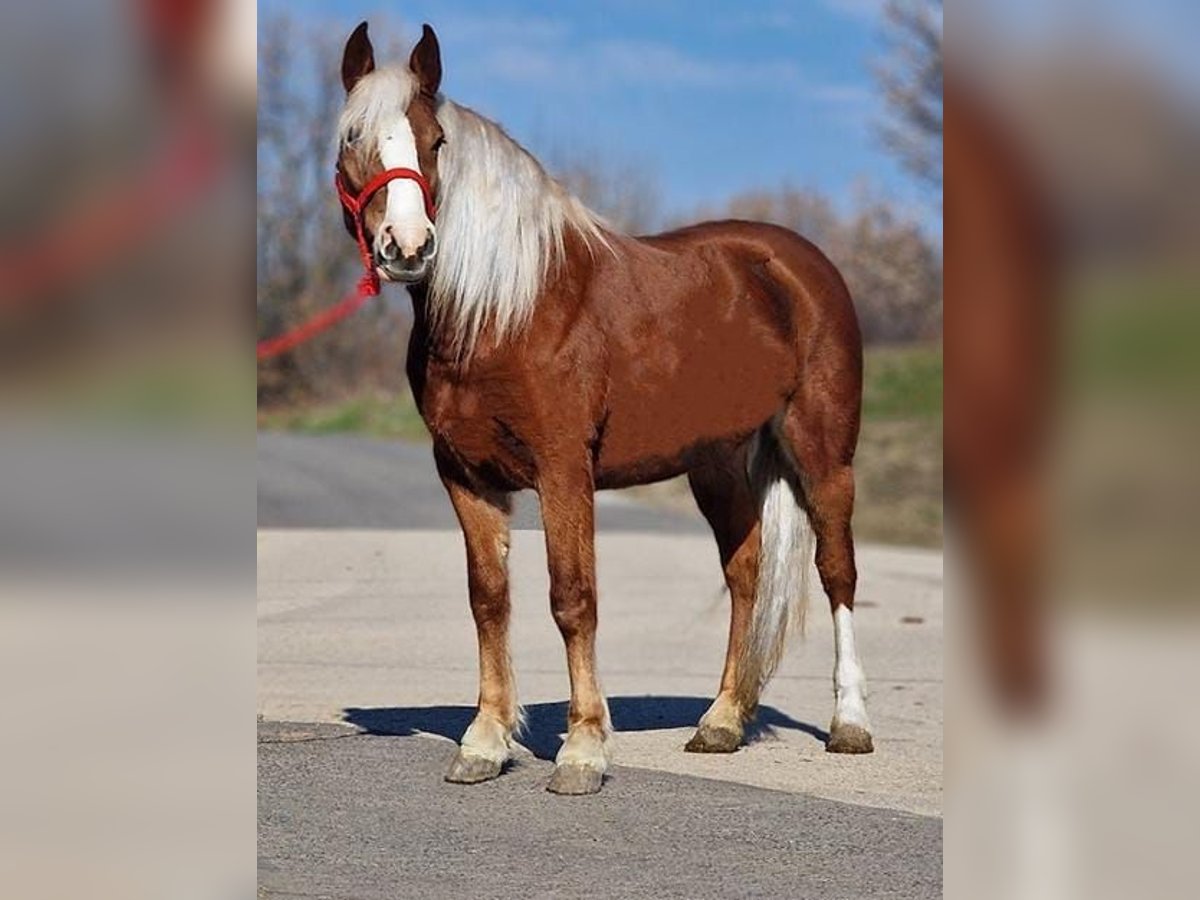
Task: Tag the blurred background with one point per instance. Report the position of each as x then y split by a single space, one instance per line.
126 448
1072 508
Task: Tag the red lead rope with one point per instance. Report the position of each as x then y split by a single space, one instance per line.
368 285
318 323
122 220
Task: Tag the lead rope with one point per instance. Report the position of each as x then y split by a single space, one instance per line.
368 286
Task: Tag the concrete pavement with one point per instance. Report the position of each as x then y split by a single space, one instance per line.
367 673
373 628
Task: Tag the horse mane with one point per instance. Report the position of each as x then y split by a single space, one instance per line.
377 98
502 220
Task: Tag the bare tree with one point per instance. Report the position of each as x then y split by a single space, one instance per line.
911 78
804 211
305 260
893 271
625 195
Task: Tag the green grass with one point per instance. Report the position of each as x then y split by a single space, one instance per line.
391 415
1133 336
898 466
201 387
903 382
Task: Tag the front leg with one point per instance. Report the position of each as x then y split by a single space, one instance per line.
567 502
483 515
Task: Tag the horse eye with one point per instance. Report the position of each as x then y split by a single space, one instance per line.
437 145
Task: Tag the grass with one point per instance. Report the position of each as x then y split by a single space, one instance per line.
375 414
898 465
903 382
1133 336
200 387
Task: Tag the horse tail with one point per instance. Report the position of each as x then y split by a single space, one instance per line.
784 561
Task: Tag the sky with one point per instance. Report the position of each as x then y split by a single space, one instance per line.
705 99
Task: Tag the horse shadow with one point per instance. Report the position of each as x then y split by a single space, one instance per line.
545 722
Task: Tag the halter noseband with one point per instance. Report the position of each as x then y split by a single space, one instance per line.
356 206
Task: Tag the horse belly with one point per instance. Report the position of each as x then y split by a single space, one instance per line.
658 428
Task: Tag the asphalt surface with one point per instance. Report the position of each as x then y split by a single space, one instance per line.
367 676
354 482
370 817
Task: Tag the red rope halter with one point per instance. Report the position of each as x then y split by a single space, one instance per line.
368 285
356 205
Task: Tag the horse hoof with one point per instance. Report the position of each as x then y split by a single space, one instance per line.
709 739
472 769
575 779
849 739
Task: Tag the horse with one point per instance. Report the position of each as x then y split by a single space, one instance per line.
549 351
1000 403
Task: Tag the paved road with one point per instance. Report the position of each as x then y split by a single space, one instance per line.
354 482
367 674
370 817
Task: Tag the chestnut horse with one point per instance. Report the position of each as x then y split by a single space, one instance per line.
551 352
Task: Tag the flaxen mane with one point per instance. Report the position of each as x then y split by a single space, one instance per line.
501 222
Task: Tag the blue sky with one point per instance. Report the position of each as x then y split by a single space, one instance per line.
709 98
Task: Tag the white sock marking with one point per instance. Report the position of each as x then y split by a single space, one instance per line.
849 683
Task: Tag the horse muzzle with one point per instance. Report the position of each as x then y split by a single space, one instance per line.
387 260
394 264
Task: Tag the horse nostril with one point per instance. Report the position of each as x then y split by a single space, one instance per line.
388 248
426 250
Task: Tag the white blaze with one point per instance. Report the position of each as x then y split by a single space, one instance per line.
405 202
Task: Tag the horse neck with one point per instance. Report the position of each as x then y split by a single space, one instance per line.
559 299
491 275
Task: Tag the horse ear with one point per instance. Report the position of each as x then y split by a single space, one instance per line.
426 61
359 58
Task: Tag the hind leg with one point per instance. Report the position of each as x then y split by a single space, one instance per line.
822 445
723 494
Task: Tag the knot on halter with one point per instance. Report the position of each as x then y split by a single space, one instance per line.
356 206
369 284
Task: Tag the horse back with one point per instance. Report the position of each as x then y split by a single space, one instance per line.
708 331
